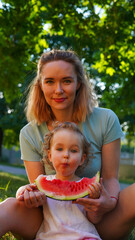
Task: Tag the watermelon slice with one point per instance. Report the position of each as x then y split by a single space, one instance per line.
65 190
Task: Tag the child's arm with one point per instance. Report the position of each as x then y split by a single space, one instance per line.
31 196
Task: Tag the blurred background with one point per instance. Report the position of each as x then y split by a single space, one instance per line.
102 32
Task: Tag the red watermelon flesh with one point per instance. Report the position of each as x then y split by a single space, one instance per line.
65 190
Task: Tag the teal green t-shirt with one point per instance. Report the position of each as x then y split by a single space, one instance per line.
100 127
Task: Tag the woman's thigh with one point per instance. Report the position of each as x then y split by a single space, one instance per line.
117 224
17 218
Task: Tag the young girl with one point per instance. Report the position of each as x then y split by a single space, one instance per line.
67 150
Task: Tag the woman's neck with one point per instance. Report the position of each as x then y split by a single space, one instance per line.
63 116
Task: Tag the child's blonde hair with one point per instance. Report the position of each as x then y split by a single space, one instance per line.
71 127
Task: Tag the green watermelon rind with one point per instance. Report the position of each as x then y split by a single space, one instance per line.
63 197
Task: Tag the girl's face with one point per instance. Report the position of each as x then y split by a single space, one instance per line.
66 154
59 85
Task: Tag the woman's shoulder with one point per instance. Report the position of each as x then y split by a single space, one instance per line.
104 125
29 127
33 128
102 117
102 111
101 114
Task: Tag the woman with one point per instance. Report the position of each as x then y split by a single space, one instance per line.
61 92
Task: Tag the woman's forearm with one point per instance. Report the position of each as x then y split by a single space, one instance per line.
112 186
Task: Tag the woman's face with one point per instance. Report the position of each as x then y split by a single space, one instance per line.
59 85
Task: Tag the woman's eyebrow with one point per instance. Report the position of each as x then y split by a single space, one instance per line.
64 78
67 77
49 78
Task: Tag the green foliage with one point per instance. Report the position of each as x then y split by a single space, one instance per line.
8 236
101 32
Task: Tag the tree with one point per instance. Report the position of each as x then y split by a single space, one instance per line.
116 60
19 30
101 32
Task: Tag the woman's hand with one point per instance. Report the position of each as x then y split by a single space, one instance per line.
31 196
96 208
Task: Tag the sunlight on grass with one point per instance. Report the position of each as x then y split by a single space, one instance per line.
9 184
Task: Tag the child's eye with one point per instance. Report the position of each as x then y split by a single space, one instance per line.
73 150
59 149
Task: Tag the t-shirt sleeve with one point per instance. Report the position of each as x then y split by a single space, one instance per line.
29 150
113 129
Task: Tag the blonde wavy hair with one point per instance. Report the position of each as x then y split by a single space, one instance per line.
37 108
57 126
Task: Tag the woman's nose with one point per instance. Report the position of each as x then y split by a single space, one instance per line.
59 88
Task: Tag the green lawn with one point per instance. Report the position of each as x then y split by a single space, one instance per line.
9 184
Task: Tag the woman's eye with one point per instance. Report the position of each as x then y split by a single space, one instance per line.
67 81
49 82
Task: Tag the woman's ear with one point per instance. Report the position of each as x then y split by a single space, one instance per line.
49 155
82 159
78 85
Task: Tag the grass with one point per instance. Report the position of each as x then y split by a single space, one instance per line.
127 180
12 164
9 184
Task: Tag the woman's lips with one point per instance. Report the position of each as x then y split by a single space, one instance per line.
59 100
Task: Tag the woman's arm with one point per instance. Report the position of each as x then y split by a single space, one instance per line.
96 208
33 169
110 167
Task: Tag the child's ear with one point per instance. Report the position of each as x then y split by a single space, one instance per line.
49 155
83 159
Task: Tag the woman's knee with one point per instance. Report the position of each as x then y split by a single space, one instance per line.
18 210
20 219
128 193
8 205
126 203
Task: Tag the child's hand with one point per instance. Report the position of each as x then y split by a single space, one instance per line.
31 196
20 191
95 190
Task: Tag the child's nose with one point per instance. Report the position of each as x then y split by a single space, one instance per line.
66 154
